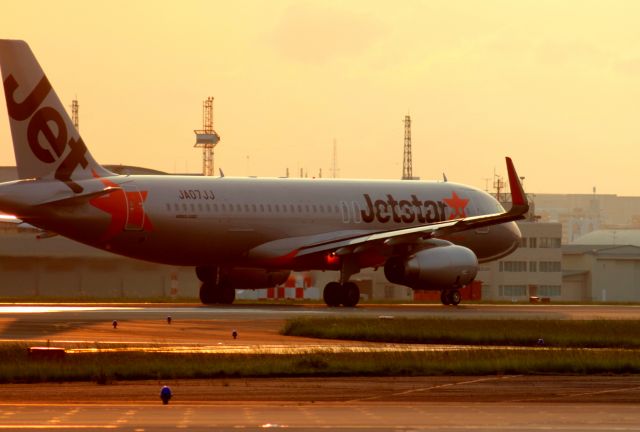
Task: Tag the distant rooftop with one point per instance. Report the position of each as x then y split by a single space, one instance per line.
610 237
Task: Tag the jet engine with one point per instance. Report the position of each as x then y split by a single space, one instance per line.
254 278
438 268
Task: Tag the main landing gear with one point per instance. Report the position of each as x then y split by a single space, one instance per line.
450 297
346 294
215 288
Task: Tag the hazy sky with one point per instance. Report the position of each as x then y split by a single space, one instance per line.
554 84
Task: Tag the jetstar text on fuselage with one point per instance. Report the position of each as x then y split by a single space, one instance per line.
410 210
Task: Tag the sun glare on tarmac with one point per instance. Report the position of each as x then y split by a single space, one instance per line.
49 309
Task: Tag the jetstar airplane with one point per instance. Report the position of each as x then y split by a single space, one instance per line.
246 233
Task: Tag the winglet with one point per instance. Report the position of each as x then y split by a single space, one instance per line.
518 197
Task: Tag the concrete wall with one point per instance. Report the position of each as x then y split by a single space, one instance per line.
616 280
92 278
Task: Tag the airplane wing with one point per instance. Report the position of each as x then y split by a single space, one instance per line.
355 242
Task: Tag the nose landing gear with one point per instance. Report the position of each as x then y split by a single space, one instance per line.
450 297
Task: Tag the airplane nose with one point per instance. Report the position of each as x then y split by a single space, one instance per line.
515 236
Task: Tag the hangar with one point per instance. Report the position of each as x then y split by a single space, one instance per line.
603 265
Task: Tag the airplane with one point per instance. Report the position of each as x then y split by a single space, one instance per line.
246 233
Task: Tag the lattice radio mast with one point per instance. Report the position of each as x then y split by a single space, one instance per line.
334 165
407 164
207 138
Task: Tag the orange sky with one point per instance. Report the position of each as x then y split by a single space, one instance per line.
554 84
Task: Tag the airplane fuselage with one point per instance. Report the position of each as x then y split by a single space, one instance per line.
197 221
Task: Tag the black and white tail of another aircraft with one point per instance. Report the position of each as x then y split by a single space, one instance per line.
246 233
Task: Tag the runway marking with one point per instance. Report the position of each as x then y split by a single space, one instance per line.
367 413
573 395
311 416
249 414
186 419
423 389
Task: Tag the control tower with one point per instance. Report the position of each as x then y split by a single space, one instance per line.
207 138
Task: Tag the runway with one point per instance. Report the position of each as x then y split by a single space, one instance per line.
585 403
323 416
396 404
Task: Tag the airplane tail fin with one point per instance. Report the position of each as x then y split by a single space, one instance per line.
45 141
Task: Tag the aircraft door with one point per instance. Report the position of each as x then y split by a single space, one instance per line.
135 208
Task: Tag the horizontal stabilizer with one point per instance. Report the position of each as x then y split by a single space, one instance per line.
77 199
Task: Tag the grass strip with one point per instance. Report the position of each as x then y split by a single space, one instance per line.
497 332
103 368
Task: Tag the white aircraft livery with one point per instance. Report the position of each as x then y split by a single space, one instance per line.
246 233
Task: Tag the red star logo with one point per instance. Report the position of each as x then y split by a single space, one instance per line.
457 206
125 208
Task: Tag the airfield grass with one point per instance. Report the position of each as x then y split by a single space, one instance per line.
105 368
492 332
501 346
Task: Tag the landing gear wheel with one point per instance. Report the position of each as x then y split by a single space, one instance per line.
226 293
331 294
455 297
444 298
208 293
350 294
206 274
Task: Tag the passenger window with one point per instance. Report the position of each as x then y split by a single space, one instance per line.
176 207
345 212
261 208
253 206
356 212
184 207
168 207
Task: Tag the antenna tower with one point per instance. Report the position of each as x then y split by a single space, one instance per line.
74 114
499 185
334 166
207 137
407 164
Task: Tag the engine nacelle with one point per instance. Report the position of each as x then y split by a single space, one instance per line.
438 268
255 278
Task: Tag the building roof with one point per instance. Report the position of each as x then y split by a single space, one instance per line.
610 237
603 251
